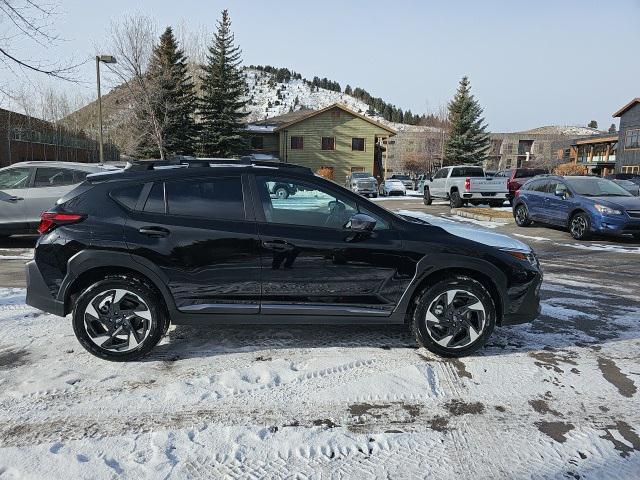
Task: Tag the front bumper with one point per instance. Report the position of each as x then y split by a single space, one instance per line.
615 224
38 294
524 302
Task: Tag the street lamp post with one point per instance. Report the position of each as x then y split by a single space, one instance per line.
103 59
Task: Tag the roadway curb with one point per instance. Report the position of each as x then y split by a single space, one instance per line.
486 218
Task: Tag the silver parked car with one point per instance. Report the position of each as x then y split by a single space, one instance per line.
363 183
29 188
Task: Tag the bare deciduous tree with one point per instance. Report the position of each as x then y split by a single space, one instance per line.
132 41
28 24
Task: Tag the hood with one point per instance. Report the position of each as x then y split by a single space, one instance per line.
627 203
475 234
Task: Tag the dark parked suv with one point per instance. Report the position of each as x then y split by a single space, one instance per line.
129 252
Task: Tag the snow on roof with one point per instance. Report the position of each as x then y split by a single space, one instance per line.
564 130
261 128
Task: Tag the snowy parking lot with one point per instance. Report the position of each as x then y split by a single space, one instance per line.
556 398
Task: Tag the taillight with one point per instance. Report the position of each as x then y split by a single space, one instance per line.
51 220
467 184
517 193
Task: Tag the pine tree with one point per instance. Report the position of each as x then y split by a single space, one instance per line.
593 124
468 140
172 101
612 128
348 90
222 102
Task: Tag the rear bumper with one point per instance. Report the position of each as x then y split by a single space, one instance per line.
38 294
480 196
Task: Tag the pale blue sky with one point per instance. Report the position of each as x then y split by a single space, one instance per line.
530 63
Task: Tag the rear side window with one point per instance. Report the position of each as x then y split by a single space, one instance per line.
467 172
53 177
127 196
528 172
213 198
155 200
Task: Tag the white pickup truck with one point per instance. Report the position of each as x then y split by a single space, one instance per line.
464 184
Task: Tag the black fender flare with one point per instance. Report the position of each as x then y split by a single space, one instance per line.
440 263
87 260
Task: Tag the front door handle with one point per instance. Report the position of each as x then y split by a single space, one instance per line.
277 245
13 199
154 231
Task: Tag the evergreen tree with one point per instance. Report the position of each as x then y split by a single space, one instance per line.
348 90
612 128
172 101
222 102
468 140
593 124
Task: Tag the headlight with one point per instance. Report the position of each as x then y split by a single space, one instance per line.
606 210
529 256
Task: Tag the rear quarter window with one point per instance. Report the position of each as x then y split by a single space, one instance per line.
127 196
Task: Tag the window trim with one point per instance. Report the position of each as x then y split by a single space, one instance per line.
328 149
301 137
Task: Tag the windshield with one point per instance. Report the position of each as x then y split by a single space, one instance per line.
596 187
361 175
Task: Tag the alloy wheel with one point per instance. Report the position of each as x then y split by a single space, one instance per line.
117 320
578 226
455 319
521 215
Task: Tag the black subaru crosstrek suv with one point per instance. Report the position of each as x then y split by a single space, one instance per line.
131 251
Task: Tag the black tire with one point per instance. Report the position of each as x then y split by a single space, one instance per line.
636 236
426 197
454 199
374 195
281 192
139 293
521 215
465 340
580 226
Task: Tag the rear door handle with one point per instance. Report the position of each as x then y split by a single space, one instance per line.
154 231
277 245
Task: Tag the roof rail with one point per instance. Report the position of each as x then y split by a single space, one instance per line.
192 162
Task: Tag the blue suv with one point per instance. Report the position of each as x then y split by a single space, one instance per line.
583 204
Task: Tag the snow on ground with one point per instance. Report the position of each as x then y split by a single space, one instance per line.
585 245
16 254
556 398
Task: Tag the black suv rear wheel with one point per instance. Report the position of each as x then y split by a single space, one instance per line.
454 317
119 318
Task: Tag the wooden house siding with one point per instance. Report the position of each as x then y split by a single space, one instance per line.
629 120
341 125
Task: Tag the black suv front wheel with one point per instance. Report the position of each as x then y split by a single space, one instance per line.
454 317
119 318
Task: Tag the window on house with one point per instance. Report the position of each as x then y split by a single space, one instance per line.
357 144
357 169
257 143
297 143
632 139
328 143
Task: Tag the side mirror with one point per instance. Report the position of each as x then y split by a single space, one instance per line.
561 193
361 222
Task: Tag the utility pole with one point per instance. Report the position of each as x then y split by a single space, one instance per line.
104 59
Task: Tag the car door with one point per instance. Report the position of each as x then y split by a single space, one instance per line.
313 265
557 207
535 197
437 185
14 184
49 184
200 234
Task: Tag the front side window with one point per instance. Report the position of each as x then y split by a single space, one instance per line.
357 144
297 143
310 205
442 173
53 177
15 178
632 139
217 198
328 143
